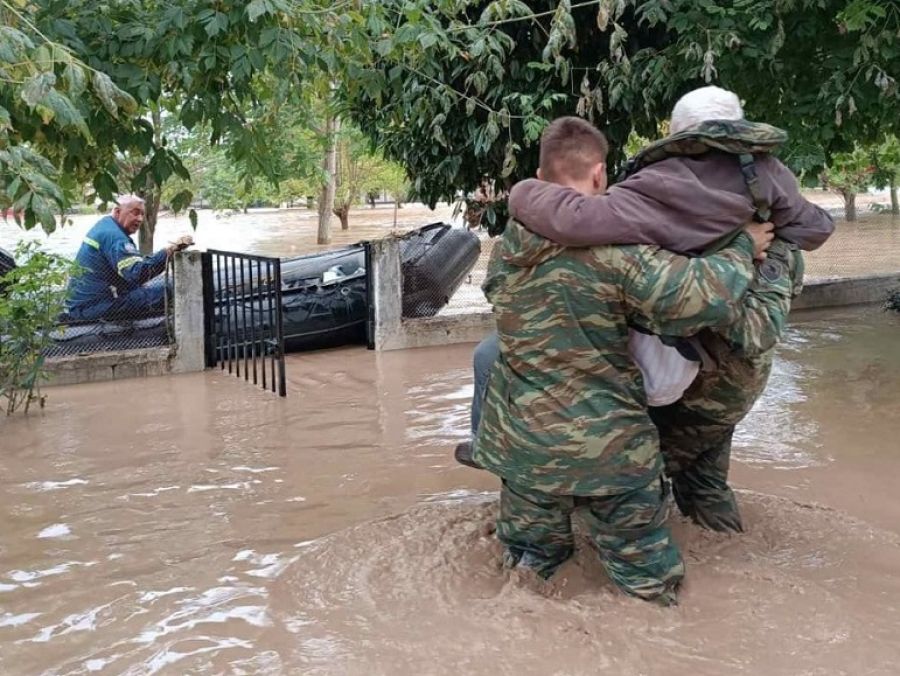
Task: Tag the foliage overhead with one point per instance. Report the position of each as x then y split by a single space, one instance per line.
80 78
492 74
454 90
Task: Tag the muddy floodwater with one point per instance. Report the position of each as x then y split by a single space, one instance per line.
194 524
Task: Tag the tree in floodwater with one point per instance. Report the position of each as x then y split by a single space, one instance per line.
362 170
887 174
850 174
84 82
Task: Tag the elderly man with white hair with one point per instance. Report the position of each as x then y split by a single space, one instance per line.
114 280
691 203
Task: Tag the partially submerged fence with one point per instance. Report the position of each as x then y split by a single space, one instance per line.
126 326
242 303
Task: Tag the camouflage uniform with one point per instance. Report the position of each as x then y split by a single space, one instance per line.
695 432
564 421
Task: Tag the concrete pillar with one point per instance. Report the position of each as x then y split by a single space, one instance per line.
188 311
387 297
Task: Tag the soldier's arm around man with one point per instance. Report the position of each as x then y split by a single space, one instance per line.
670 294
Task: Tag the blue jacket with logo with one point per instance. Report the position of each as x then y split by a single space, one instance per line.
111 266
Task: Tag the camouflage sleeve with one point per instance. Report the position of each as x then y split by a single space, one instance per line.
763 313
669 294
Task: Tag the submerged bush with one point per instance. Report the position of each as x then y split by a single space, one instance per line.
893 301
31 298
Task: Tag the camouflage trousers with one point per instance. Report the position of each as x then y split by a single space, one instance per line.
695 432
628 530
695 437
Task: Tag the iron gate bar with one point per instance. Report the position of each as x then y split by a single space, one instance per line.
253 325
234 343
209 308
279 333
370 296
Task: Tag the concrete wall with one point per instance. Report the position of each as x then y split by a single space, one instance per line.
99 366
188 313
824 293
391 330
186 355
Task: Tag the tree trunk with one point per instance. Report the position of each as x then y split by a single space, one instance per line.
151 195
342 211
895 207
148 227
326 199
849 206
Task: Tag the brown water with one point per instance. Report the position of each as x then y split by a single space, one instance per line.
268 232
193 524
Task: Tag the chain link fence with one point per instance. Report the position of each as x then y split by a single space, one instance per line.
143 322
435 264
867 246
469 298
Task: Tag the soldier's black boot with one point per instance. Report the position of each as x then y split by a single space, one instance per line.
463 455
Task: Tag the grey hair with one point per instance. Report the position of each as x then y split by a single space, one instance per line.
123 201
706 103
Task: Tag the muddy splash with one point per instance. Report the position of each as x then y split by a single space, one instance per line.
423 593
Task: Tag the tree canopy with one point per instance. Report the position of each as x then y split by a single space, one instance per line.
453 90
475 103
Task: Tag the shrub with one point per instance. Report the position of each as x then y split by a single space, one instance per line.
893 301
32 298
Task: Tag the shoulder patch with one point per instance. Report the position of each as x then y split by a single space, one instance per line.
131 248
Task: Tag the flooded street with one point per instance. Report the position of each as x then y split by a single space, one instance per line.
267 232
194 524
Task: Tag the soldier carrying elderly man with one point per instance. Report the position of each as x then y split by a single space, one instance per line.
614 363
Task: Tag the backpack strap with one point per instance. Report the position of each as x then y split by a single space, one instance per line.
748 169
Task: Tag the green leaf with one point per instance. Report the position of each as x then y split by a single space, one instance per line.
37 87
105 185
75 79
428 40
256 9
181 200
66 114
106 91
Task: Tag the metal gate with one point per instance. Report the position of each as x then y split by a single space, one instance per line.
242 306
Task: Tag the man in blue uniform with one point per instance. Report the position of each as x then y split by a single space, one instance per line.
115 280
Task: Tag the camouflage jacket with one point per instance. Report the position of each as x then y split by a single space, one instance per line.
565 410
